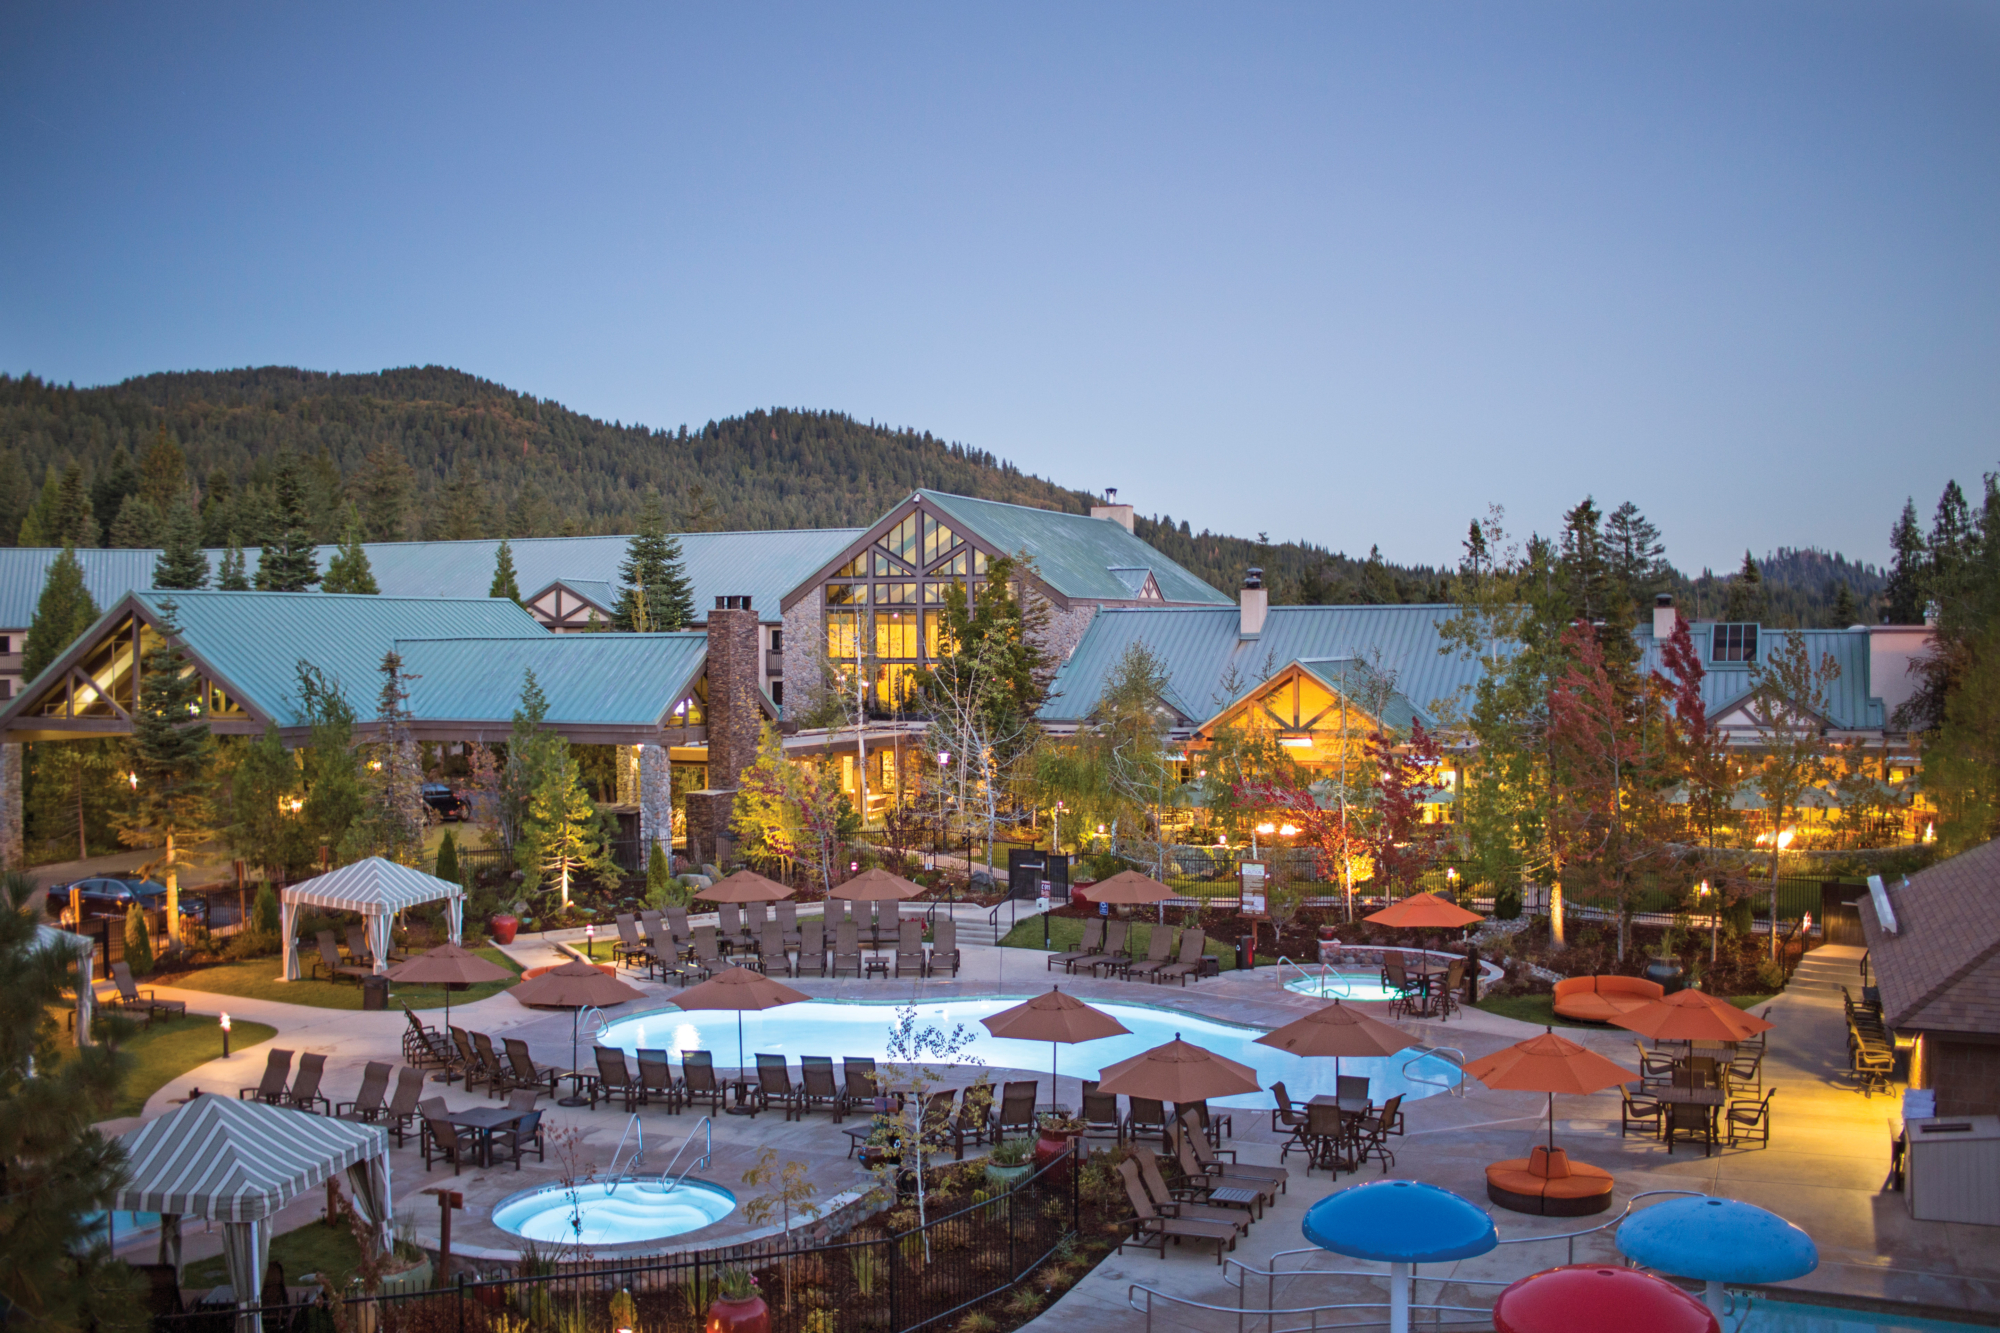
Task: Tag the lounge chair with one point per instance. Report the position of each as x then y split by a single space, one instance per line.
1145 1116
729 928
132 998
631 949
304 1093
468 1058
1100 1114
657 1081
423 1045
677 926
357 945
846 949
1017 1109
614 1077
857 1082
1188 964
399 1117
1159 952
774 1086
277 1068
1093 945
1192 1140
329 958
944 946
498 1080
367 1104
935 1124
910 948
523 1072
1113 958
788 924
707 960
817 1087
771 951
698 1078
1187 1199
1151 1229
812 947
974 1120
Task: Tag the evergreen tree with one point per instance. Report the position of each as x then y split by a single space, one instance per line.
138 941
63 613
73 522
172 755
334 798
657 595
1746 594
138 526
462 508
1586 578
38 527
1844 611
1951 545
289 563
384 488
504 584
1903 598
562 825
347 570
163 472
231 577
182 562
56 1271
447 859
392 817
268 827
1635 555
116 483
218 511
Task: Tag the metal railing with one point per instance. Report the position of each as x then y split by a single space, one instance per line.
1451 1056
706 1127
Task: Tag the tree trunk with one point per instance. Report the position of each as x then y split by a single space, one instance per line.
82 839
1556 940
173 894
1780 822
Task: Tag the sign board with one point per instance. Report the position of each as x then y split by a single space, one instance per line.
1250 876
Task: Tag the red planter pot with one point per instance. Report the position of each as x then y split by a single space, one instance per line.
1051 1146
749 1316
503 928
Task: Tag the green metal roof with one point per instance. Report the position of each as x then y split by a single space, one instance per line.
590 679
1077 555
254 640
1853 703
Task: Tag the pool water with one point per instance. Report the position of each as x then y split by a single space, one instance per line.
861 1028
608 1215
1360 988
1766 1316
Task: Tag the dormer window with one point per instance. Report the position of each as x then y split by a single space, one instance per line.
1733 643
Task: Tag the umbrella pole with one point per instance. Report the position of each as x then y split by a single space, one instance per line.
1552 1122
575 1022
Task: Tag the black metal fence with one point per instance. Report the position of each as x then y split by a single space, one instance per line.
986 1242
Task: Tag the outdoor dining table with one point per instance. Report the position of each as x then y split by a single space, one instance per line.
582 1087
482 1121
1707 1100
1347 1105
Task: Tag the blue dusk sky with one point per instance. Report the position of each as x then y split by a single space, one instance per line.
1346 273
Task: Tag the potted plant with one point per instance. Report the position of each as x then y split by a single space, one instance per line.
1058 1131
738 1309
504 925
1008 1162
1666 965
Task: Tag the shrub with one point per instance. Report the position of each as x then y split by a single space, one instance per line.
1770 976
138 941
1507 904
252 943
264 914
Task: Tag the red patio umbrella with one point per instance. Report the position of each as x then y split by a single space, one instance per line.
1053 1018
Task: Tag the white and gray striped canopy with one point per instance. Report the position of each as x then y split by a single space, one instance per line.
237 1161
371 885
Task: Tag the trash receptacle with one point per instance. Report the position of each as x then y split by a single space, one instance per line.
1246 952
375 992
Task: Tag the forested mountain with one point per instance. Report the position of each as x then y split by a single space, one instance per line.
435 453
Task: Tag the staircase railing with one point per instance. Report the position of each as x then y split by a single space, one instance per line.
632 1163
706 1127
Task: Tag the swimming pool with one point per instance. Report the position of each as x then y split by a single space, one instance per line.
1767 1316
861 1028
613 1214
1333 985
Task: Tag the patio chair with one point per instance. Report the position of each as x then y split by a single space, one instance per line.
1151 1229
754 917
631 948
1698 1071
1017 1109
399 1117
277 1069
936 1122
663 956
1637 1108
846 948
498 1079
1211 1157
774 1086
468 1058
367 1104
974 1119
1186 1198
1655 1069
651 922
1352 1088
304 1092
1112 958
517 1138
1445 996
1145 1116
817 1088
812 947
329 958
857 1081
771 951
1405 992
440 1137
614 1077
707 960
1287 1119
523 1099
1744 1069
944 946
1750 1118
523 1072
910 948
1093 945
1100 1114
729 928
788 923
1371 1134
1188 964
657 1081
677 926
423 1045
357 944
698 1079
131 997
1695 1124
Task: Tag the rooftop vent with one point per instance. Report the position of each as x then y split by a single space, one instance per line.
1252 602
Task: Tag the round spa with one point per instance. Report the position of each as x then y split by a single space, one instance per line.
619 1214
840 1028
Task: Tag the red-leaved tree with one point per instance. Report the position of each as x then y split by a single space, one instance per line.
1395 835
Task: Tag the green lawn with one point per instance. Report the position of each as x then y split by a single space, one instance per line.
166 1048
1541 1009
312 1248
257 979
1066 935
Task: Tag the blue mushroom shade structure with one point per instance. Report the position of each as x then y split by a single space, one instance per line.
1401 1223
1717 1241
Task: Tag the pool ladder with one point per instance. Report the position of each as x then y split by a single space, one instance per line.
1343 985
1451 1055
635 1131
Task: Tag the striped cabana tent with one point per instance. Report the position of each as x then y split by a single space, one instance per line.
376 888
238 1163
84 950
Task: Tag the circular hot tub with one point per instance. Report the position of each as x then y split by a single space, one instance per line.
596 1213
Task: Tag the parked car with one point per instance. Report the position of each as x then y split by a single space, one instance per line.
113 895
445 803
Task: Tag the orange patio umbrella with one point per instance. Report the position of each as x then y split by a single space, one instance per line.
1178 1072
1129 888
876 886
448 966
745 886
1691 1015
742 990
1053 1018
1337 1031
574 986
1424 911
1550 1064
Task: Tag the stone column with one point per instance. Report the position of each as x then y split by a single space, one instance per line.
735 720
628 774
13 850
653 793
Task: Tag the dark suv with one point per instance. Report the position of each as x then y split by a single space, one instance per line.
444 802
113 895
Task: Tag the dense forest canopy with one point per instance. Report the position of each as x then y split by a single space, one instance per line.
435 453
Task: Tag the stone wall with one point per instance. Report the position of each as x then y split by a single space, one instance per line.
653 794
805 642
13 851
1065 629
735 723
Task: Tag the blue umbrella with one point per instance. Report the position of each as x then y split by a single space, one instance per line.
1717 1241
1400 1223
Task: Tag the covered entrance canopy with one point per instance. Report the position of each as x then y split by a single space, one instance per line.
238 1163
376 888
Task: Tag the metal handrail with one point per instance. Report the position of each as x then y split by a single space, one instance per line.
633 1163
707 1127
591 1012
1478 1313
1452 1055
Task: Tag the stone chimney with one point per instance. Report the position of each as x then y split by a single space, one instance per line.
1252 603
735 722
1111 509
1664 617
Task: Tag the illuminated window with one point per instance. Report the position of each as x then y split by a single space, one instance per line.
846 594
896 594
1733 643
896 634
938 539
886 568
840 635
901 540
893 684
857 568
937 641
979 562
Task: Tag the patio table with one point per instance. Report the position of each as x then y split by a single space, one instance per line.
1707 1100
1347 1105
482 1121
582 1087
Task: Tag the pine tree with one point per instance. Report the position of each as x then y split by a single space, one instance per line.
172 755
334 798
1903 598
73 522
347 570
1586 579
562 825
1635 554
38 527
138 526
392 818
1844 611
384 487
182 562
231 577
218 510
266 799
504 584
115 484
657 595
1746 594
462 508
289 563
64 612
163 472
447 859
138 941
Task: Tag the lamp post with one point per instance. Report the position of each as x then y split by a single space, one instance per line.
590 940
1714 920
225 1036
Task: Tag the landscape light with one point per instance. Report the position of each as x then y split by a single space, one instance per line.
134 777
1267 828
1288 830
225 1036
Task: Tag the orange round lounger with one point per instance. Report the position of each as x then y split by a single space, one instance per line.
1547 1183
1601 999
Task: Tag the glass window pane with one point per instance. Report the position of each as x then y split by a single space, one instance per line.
840 634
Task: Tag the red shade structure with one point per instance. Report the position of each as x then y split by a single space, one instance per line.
448 966
1337 1031
1056 1019
1691 1015
574 986
1424 911
1178 1072
1128 888
1590 1298
741 990
876 886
